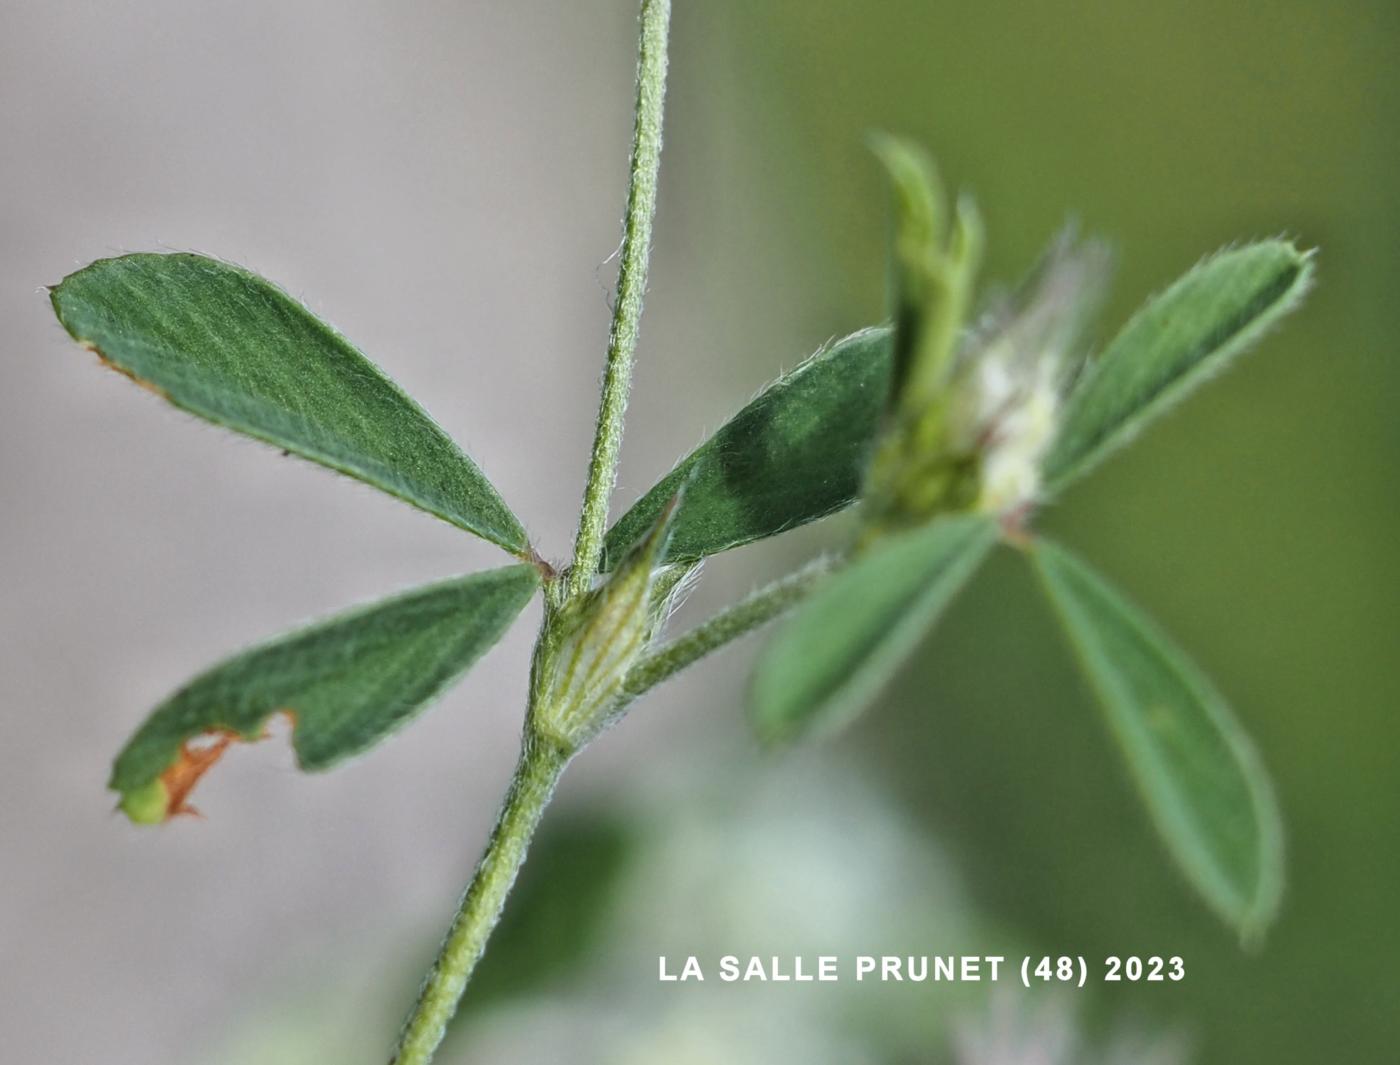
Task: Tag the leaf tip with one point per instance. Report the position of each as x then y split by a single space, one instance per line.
146 805
1253 923
770 733
1252 930
1302 260
166 796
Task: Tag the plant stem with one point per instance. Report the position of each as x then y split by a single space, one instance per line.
542 761
759 607
541 764
631 288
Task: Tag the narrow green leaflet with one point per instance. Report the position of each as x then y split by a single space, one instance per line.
1171 345
846 642
344 683
1203 782
795 454
226 345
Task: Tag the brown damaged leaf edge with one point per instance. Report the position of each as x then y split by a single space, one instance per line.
88 345
140 382
167 796
343 683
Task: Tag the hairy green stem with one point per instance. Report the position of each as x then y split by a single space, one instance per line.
541 764
631 288
758 608
542 761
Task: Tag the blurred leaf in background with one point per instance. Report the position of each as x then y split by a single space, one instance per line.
755 861
1259 521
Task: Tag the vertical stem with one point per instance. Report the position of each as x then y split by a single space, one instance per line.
542 762
631 288
541 765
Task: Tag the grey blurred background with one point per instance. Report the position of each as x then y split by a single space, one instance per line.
444 182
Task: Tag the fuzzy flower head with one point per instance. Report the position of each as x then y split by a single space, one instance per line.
1012 373
972 411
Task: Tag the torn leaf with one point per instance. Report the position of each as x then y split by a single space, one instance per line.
167 796
345 683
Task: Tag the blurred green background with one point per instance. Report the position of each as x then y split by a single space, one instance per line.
444 181
1259 524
